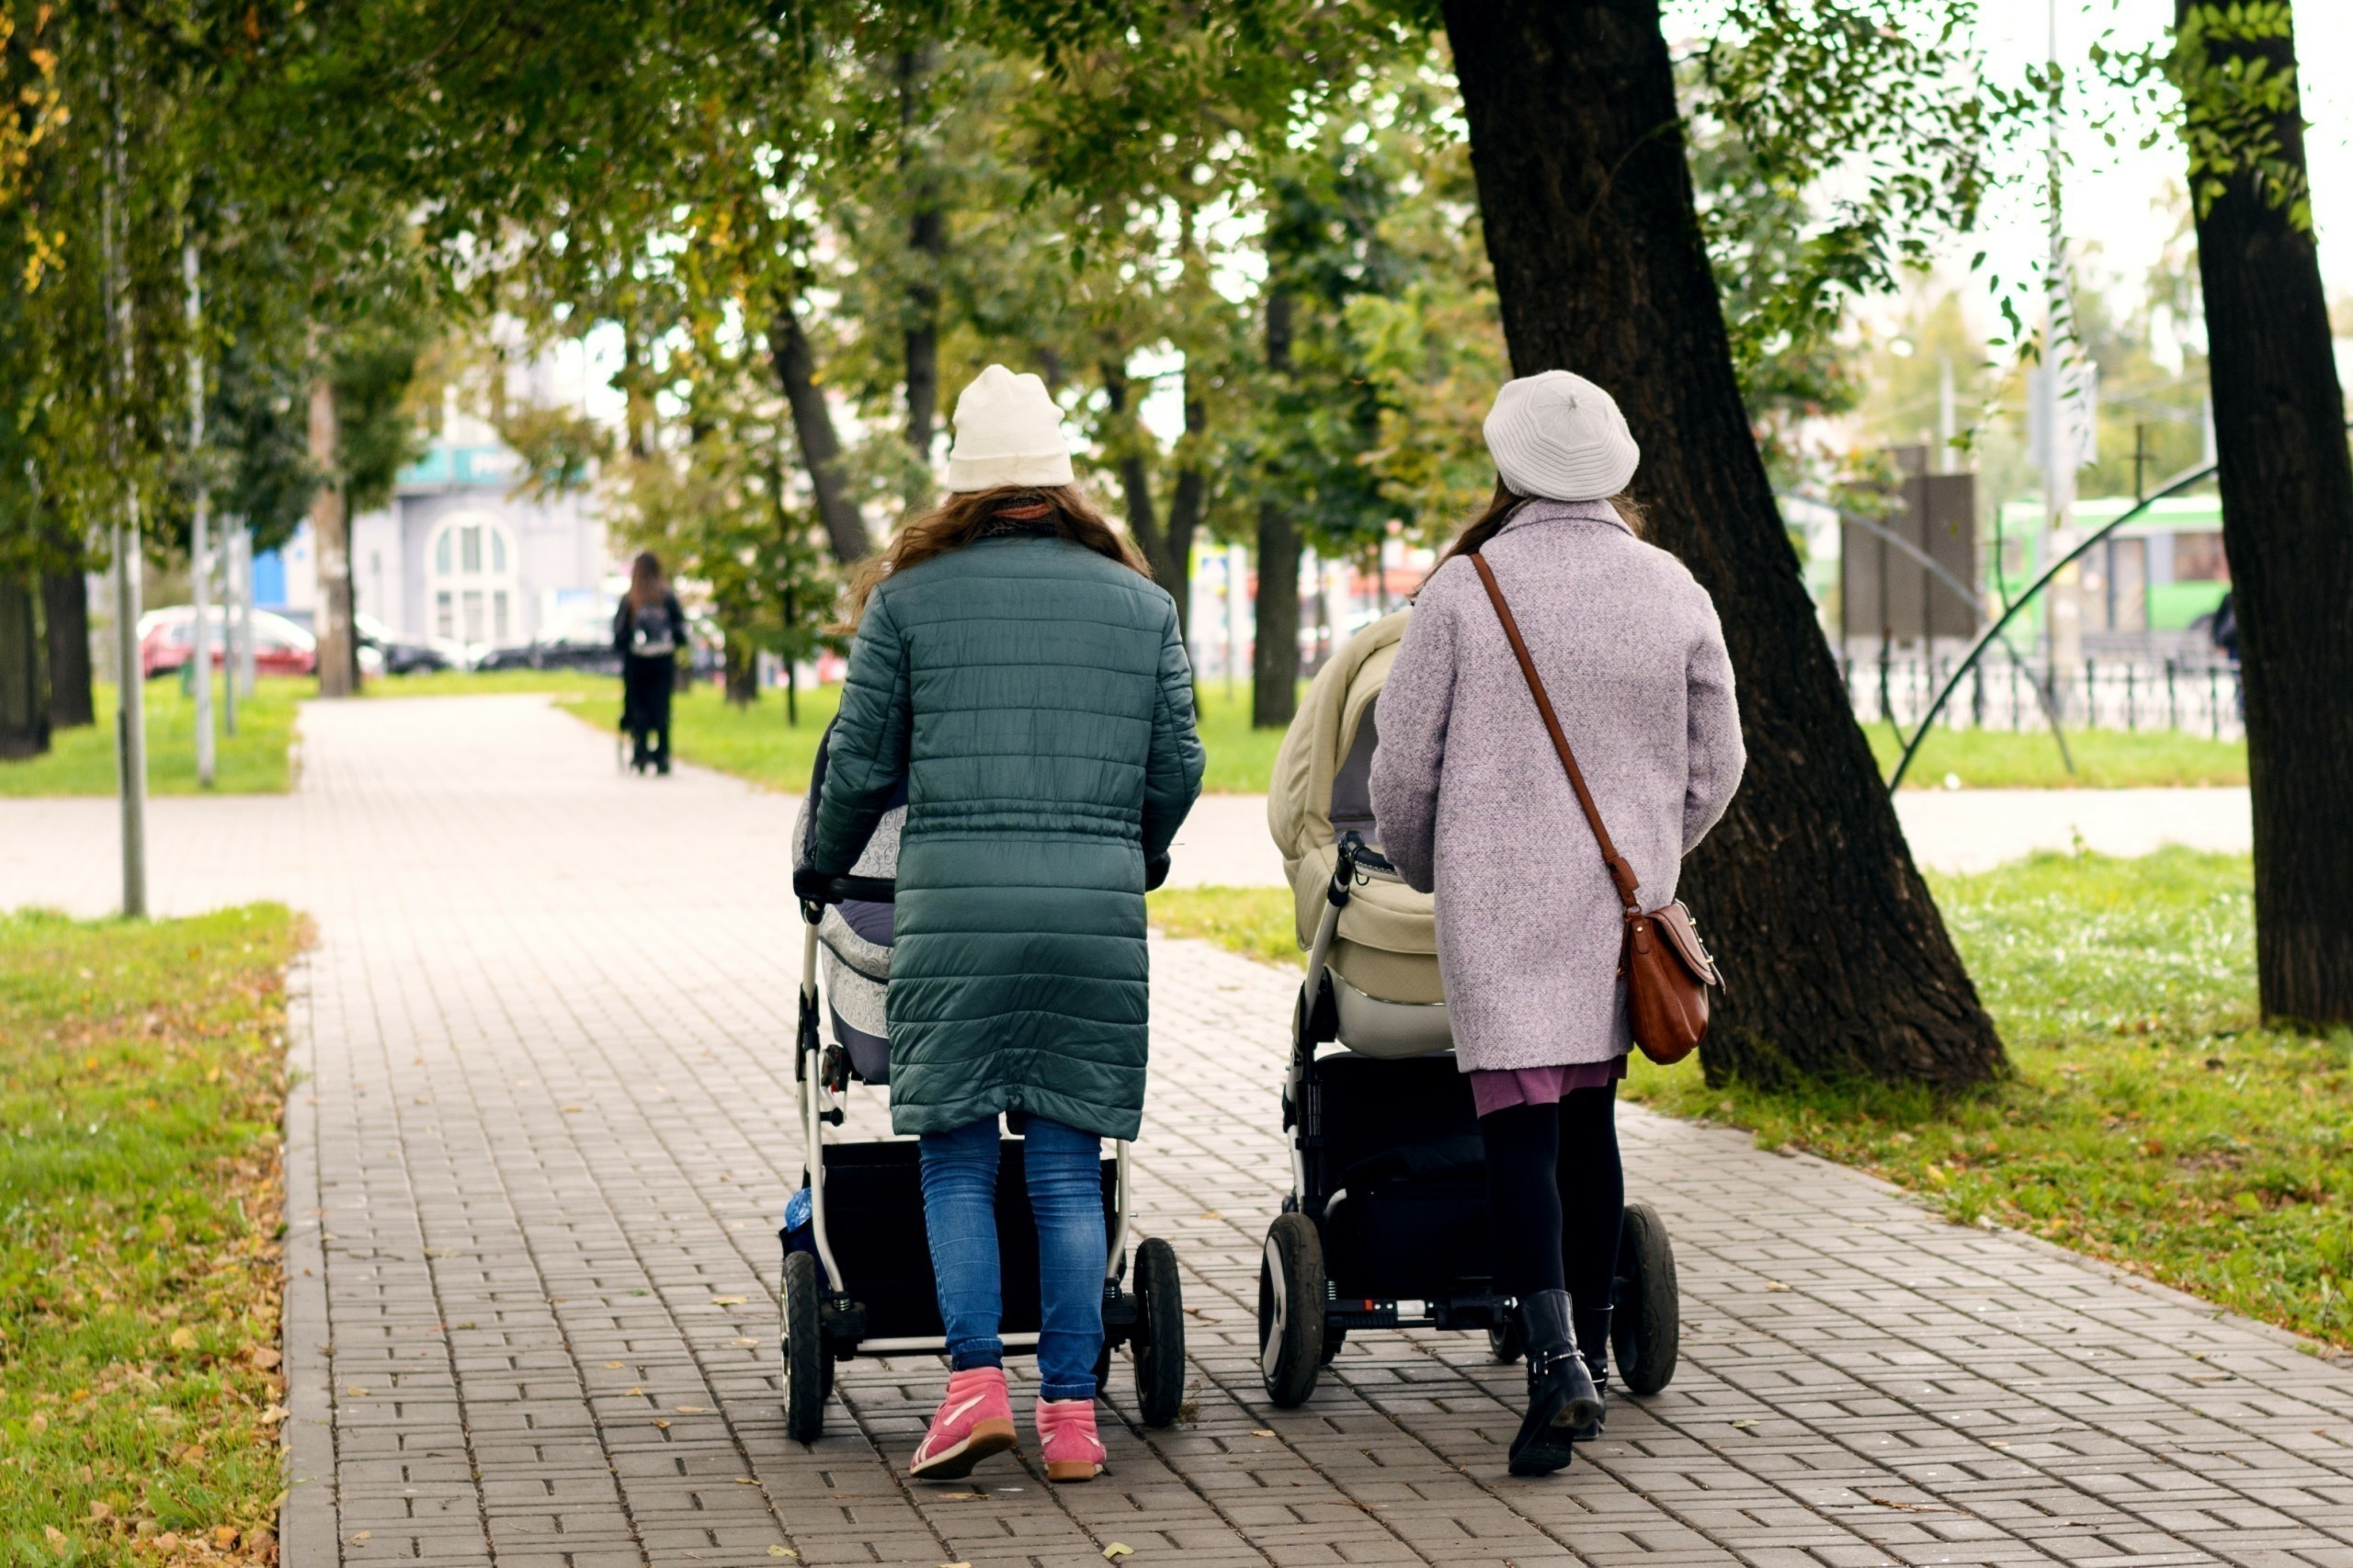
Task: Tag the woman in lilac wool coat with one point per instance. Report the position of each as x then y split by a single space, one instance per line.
1474 805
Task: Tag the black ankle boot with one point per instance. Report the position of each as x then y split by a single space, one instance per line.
1592 1327
1561 1396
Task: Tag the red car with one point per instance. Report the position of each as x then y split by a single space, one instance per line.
166 640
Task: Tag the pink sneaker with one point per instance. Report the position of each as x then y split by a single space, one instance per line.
1066 1437
973 1421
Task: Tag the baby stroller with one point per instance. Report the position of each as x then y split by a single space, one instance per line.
858 1272
1386 1225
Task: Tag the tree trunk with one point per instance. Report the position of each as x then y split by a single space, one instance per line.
1274 652
24 695
928 240
741 671
1839 961
65 612
1135 481
2286 483
813 426
331 545
1185 508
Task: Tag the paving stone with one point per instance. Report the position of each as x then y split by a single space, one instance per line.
544 1119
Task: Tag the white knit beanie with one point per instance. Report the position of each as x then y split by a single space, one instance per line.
1007 432
1559 436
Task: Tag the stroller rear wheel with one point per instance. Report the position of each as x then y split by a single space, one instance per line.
1291 1310
1159 1346
808 1360
1647 1329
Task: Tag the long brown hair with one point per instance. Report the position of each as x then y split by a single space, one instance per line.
1061 510
645 585
1505 501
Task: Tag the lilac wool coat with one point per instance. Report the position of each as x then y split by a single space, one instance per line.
1471 797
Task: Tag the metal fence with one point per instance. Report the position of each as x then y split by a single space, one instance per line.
2200 697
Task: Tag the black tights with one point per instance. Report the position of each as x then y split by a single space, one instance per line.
1556 1192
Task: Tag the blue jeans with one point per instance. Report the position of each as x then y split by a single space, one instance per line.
1065 1175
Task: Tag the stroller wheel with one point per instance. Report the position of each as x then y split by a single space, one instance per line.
1291 1310
1507 1341
808 1361
1159 1345
1333 1339
1648 1326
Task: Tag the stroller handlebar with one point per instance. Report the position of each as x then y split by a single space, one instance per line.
815 887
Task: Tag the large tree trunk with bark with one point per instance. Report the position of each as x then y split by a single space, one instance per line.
65 618
821 447
24 685
338 648
1274 652
2287 483
1837 960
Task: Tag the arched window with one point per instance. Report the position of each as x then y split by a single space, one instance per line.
472 582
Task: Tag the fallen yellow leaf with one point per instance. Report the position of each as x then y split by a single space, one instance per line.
1119 1549
183 1339
727 1301
782 1551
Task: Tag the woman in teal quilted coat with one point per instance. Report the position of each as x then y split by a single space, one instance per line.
1017 668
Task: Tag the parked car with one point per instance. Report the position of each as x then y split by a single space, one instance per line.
398 656
167 641
573 652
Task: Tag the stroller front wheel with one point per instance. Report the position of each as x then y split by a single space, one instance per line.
1291 1310
808 1360
1646 1331
1508 1340
1159 1347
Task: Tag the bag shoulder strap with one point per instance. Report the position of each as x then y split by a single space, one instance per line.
1620 872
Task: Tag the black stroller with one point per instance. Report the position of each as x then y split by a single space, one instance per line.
858 1272
1386 1225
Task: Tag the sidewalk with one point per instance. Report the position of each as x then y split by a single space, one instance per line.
542 1132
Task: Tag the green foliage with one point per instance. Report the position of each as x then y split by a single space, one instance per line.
141 1084
2225 81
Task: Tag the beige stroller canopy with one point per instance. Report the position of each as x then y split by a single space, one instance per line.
1386 946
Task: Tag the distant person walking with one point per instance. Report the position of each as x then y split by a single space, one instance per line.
1473 804
647 631
1026 680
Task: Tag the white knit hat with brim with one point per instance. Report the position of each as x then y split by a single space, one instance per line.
1007 432
1559 436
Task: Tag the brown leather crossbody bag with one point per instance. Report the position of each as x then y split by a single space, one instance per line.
1667 970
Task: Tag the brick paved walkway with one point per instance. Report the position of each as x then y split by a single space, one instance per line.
543 1133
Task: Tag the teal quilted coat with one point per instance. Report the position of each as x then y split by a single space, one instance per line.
1037 699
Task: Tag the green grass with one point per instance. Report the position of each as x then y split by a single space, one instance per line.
2150 1121
752 742
252 762
141 1086
755 742
1258 923
2105 759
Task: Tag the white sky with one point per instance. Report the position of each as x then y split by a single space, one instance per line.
2111 193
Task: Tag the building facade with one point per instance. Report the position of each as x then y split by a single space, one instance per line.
461 561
